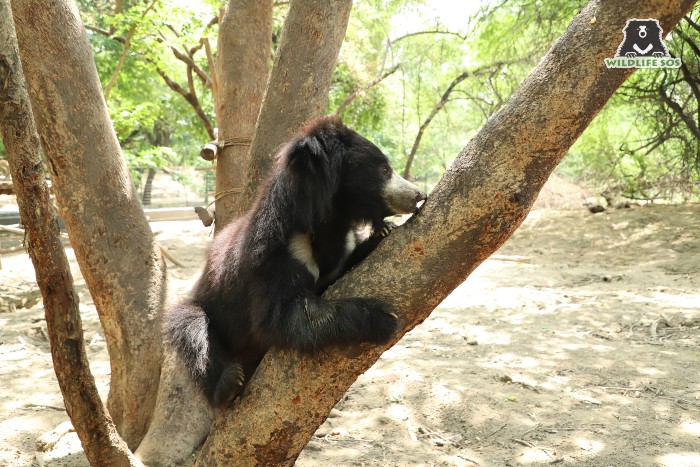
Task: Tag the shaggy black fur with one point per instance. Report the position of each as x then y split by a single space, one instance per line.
265 272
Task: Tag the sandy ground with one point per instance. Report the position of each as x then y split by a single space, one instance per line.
588 354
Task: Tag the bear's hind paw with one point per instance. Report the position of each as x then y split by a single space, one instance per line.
230 385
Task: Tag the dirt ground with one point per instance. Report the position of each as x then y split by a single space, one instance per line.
586 354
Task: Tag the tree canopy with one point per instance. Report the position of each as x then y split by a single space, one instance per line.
397 61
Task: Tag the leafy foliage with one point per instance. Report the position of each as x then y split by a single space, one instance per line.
397 60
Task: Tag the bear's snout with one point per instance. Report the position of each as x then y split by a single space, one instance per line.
402 196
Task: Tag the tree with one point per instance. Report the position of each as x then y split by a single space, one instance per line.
477 205
109 236
299 81
96 429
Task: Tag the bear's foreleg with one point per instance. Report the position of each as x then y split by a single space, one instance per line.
310 322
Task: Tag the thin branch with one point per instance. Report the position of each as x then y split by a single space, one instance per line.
191 98
418 33
439 106
214 78
676 107
127 44
353 95
689 41
189 61
692 23
105 32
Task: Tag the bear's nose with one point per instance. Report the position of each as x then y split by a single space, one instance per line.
420 195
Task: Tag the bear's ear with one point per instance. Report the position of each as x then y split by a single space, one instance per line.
307 156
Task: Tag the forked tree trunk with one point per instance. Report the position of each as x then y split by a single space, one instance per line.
299 81
112 240
243 64
93 424
481 200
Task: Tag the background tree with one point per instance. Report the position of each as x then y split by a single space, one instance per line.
645 144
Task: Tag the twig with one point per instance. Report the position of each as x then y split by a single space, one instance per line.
513 258
411 432
523 442
167 254
502 427
530 430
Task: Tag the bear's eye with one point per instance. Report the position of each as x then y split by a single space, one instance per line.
385 169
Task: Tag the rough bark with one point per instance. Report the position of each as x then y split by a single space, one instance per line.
299 82
97 433
242 70
481 200
98 203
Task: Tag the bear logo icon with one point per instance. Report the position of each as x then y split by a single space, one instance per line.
643 39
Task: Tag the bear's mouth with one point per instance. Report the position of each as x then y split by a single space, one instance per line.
402 196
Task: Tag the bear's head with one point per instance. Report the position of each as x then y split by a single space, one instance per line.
338 171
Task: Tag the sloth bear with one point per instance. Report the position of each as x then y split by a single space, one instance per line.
264 272
642 38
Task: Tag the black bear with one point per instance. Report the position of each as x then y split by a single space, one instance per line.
264 272
642 38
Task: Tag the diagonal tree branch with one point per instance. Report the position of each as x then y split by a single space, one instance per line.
678 109
490 69
439 106
190 97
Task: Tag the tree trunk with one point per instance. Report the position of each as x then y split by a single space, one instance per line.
242 69
481 200
98 203
299 82
97 433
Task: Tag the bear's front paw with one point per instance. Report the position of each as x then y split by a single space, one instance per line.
631 54
659 54
384 229
384 322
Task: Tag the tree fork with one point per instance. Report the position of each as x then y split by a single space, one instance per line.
97 433
481 200
300 80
